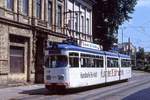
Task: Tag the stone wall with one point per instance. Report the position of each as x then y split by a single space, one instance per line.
5 32
4 49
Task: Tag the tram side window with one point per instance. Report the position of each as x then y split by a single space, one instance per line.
87 60
74 59
112 62
98 62
84 62
125 63
91 61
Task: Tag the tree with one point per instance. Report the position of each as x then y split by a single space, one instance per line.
107 16
140 56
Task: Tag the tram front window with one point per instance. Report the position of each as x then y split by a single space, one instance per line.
56 61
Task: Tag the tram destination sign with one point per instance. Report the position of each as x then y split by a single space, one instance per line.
90 45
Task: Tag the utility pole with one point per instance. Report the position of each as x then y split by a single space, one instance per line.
122 35
129 49
122 51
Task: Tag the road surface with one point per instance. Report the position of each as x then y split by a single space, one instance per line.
137 88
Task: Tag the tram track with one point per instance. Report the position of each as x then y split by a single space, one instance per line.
98 93
120 92
110 92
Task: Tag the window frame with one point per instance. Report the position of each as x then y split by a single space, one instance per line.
82 24
73 55
14 50
50 14
90 57
25 7
59 15
112 61
49 61
88 26
10 5
125 63
38 9
77 22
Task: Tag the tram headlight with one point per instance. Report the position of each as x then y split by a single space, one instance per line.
60 77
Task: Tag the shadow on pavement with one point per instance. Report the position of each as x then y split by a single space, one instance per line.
141 95
41 91
44 91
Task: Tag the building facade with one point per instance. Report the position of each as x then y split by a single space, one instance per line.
129 49
78 19
27 25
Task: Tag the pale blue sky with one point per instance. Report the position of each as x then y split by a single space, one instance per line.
138 28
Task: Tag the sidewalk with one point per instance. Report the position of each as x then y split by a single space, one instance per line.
14 85
9 93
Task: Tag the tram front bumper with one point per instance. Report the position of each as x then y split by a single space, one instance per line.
51 86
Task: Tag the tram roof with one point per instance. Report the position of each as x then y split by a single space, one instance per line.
124 56
78 48
111 54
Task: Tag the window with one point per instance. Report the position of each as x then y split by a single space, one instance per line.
91 61
56 61
69 19
59 16
25 5
82 24
99 62
88 26
86 62
49 12
10 4
112 62
38 8
76 22
16 60
74 59
125 63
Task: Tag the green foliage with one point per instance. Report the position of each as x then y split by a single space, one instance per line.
140 54
107 16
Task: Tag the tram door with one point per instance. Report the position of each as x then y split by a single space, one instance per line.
125 69
112 69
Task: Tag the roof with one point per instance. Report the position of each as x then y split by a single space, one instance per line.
124 56
82 49
111 53
78 48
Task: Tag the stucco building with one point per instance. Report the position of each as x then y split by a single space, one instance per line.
26 26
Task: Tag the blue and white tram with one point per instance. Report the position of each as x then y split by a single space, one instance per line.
125 67
70 66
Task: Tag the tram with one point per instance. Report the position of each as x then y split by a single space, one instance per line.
72 66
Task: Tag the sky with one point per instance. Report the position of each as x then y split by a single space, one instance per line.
138 28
